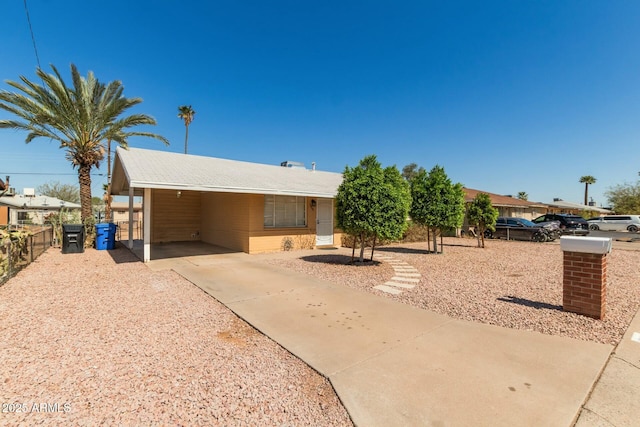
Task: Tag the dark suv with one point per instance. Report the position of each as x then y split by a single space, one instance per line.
569 224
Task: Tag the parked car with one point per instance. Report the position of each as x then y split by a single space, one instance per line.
569 224
553 229
518 229
630 223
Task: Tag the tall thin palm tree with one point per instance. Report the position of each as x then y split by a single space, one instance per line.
587 180
81 117
186 113
522 195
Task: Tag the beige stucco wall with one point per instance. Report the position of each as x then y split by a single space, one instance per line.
226 218
175 219
230 220
236 221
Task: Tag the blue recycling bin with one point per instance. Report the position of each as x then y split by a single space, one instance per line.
105 236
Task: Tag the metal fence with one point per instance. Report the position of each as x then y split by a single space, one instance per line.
122 232
37 242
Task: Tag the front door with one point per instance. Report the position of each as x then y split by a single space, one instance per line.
324 222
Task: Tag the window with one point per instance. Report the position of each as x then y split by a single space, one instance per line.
285 211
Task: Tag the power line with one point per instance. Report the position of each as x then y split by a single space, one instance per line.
47 173
33 39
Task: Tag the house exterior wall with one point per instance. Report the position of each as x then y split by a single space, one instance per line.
123 215
236 221
263 239
175 219
524 212
4 215
225 219
230 220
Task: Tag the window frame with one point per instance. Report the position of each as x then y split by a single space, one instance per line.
278 210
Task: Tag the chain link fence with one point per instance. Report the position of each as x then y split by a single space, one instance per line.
17 253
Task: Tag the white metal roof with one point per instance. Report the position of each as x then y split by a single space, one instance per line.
140 168
570 205
38 202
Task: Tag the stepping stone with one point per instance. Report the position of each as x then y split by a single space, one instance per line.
399 273
407 268
388 289
405 279
400 285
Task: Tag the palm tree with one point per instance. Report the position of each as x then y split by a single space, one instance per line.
186 113
587 180
81 118
522 195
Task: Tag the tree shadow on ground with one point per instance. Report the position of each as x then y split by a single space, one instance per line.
406 250
403 250
529 303
338 259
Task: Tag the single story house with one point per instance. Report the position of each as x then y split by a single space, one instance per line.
248 207
560 206
23 210
120 211
510 206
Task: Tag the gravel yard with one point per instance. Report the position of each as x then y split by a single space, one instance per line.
98 338
511 284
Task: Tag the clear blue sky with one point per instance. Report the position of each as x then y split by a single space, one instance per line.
507 95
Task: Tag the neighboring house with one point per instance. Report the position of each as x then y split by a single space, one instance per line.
242 206
120 217
120 212
510 206
560 206
23 210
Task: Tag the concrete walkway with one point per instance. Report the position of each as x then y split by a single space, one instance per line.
395 365
615 400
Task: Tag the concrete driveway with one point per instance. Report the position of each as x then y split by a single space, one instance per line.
392 364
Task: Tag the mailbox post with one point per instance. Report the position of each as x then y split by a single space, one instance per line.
584 282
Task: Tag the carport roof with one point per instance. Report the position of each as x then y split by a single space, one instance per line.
140 168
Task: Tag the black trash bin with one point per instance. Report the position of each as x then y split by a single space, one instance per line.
72 238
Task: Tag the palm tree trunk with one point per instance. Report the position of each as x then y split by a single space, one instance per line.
107 202
586 192
107 206
84 179
186 139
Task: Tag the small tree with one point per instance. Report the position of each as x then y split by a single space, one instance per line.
372 202
411 171
522 195
437 202
482 215
625 198
395 202
66 192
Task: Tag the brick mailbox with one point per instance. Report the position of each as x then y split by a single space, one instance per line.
584 285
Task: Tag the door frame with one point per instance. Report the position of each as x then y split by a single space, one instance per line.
325 241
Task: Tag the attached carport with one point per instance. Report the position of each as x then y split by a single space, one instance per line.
241 206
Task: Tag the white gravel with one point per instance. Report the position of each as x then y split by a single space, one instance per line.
511 284
98 338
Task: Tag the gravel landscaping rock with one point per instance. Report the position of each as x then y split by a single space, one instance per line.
511 284
98 338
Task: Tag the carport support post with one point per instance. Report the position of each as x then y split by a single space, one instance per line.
146 221
584 287
131 217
